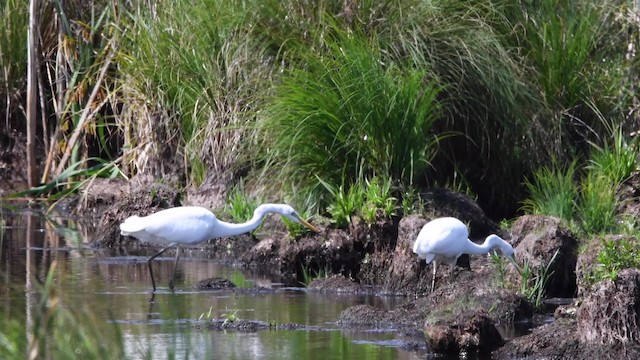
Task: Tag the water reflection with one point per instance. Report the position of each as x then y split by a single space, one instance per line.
116 289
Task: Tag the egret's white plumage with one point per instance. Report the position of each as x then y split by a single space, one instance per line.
445 239
190 225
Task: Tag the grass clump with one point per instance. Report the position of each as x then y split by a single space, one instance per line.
345 114
203 97
239 206
589 199
534 280
309 274
552 191
13 57
616 255
370 199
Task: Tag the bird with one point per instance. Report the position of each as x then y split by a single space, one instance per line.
445 239
191 225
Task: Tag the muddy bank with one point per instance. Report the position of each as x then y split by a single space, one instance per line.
469 306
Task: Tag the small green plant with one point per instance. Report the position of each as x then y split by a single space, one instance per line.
207 315
309 274
596 204
295 229
615 162
239 206
615 256
230 317
499 265
367 198
378 196
412 202
534 280
552 191
345 202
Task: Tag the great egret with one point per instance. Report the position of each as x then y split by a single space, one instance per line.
190 225
445 239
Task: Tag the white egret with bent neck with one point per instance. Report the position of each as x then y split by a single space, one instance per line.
191 225
445 239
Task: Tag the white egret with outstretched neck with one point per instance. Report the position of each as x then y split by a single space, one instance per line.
445 239
191 225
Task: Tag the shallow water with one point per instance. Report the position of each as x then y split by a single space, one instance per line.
115 289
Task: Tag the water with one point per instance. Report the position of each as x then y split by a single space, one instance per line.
115 289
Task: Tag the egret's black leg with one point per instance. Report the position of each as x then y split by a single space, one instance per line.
153 281
433 280
175 265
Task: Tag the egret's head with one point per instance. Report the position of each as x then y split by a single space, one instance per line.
288 212
497 242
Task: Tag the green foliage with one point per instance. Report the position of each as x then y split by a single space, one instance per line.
499 264
295 229
562 38
552 191
230 317
345 203
378 198
370 199
596 204
309 274
411 202
205 96
239 206
73 178
490 103
616 255
614 161
344 114
534 279
13 55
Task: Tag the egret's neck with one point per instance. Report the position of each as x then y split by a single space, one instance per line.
490 243
224 228
479 249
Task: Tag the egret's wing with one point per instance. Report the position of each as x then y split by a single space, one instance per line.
180 225
131 224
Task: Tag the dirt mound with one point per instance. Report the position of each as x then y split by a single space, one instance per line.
610 314
366 316
469 332
537 239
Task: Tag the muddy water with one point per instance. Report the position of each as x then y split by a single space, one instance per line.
115 288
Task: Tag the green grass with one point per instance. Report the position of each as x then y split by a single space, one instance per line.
309 274
239 206
370 199
616 160
552 191
342 115
203 96
534 279
468 94
13 55
616 255
596 204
